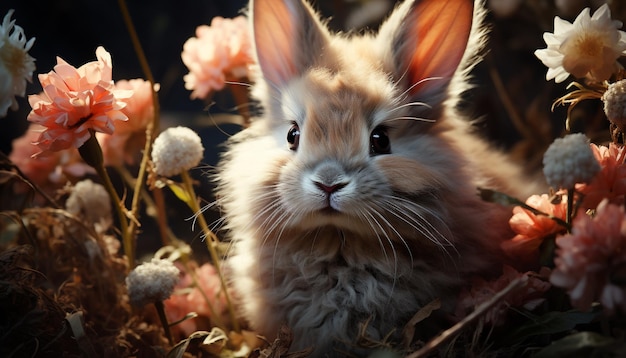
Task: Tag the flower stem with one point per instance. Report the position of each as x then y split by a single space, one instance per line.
570 209
153 126
166 326
91 152
211 241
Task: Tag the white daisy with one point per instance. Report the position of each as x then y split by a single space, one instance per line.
16 65
588 48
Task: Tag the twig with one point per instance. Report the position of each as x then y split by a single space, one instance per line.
455 330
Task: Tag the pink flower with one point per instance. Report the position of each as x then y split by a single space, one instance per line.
211 286
39 169
126 142
139 106
50 171
529 297
532 229
610 182
590 261
218 52
193 298
76 100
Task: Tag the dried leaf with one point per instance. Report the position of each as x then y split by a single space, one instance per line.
409 329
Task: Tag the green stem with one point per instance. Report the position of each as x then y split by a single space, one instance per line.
211 241
91 152
166 327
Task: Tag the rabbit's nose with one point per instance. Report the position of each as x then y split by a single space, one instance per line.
329 189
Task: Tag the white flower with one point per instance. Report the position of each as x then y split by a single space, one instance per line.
92 201
588 48
615 104
152 282
175 150
569 160
16 65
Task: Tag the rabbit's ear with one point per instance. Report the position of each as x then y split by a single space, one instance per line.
288 37
428 39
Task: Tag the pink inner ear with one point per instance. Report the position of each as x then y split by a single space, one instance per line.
274 31
441 31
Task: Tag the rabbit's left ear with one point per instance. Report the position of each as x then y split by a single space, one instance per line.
428 39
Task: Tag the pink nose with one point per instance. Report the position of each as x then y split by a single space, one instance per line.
329 189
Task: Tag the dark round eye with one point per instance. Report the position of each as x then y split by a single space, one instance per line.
293 137
379 141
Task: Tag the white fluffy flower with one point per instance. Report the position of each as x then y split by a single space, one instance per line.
569 160
92 201
615 104
588 48
152 282
175 150
16 65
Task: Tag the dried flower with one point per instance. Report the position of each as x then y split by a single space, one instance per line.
218 52
590 261
610 182
481 290
615 104
588 48
175 150
152 282
76 100
16 65
92 202
532 229
569 160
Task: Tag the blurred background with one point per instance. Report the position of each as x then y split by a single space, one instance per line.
511 100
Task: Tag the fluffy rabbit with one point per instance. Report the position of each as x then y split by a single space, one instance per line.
353 198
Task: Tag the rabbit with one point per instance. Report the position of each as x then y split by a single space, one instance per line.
351 201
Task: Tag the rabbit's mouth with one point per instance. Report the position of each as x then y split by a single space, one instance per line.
329 210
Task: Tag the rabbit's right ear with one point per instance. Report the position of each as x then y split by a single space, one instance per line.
288 36
426 41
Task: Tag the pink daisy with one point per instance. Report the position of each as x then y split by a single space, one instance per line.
610 182
75 100
590 261
218 53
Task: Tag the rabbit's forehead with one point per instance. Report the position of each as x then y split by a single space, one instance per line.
340 100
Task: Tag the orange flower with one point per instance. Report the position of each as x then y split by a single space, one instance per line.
218 52
532 229
610 182
74 101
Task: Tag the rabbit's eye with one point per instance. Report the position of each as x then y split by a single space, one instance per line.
293 137
379 141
